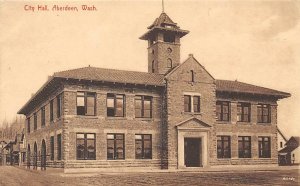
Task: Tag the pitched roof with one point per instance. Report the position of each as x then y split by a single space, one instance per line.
111 75
163 23
240 87
279 131
287 149
138 78
291 144
161 20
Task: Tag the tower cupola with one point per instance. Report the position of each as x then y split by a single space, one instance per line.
163 38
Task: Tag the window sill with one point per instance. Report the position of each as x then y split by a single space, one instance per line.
144 119
192 113
86 117
243 123
85 159
143 159
116 118
224 122
115 160
264 123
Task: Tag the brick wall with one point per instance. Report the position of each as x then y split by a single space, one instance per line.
101 125
233 128
179 84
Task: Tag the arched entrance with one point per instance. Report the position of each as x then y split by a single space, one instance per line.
35 155
43 155
28 156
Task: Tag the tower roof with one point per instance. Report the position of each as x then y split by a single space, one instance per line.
163 23
162 20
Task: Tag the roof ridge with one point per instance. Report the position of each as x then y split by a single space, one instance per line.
254 85
100 68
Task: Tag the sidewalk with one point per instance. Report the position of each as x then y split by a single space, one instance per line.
228 169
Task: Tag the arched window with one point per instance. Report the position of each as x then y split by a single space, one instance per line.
192 76
35 156
43 155
153 69
28 156
169 63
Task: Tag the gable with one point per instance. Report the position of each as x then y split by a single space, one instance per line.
183 72
193 123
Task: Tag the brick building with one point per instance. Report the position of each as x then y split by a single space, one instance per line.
175 116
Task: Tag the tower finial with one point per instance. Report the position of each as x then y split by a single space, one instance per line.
163 6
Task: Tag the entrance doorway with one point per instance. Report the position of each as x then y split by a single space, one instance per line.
192 152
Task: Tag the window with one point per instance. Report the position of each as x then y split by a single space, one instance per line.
115 146
43 118
59 106
264 147
51 110
187 103
52 148
153 67
243 112
115 105
34 121
28 125
281 145
143 146
223 111
223 147
192 76
59 147
191 103
143 106
86 147
169 63
263 113
244 146
196 103
170 38
86 103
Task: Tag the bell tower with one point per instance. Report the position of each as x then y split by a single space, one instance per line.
163 38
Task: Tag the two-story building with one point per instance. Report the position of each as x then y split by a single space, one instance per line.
175 116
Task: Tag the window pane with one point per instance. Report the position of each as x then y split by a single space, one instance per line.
196 103
80 148
138 107
110 136
138 113
80 101
80 93
110 153
59 147
90 136
110 102
90 105
80 136
138 136
119 109
147 113
187 104
91 149
138 149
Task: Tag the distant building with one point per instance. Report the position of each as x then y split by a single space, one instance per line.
290 155
281 139
175 116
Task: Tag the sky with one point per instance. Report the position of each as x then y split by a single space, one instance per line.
256 42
